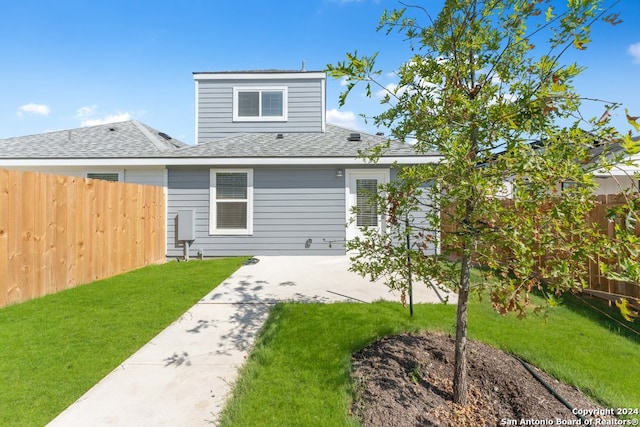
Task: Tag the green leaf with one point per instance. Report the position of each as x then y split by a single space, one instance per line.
625 310
632 120
549 15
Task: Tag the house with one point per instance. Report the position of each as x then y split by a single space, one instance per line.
267 175
272 177
623 176
115 152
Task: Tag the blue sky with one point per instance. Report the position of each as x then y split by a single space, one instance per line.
73 63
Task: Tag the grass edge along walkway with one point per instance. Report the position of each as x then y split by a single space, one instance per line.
299 371
55 348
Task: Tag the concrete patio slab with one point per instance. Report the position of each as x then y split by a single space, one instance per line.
308 279
184 375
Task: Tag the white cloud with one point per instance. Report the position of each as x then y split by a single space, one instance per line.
41 109
86 111
111 118
634 51
389 89
87 116
345 119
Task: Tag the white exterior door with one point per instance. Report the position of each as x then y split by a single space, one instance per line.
360 184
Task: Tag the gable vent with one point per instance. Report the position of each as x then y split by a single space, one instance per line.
354 137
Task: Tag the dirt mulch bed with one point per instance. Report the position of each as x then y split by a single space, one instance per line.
406 380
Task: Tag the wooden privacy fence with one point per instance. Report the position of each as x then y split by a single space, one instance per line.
598 285
58 232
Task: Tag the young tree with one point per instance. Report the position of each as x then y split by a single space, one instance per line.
487 89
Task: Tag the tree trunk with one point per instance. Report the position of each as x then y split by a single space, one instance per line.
460 369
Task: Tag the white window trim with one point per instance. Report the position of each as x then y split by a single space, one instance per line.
248 230
285 103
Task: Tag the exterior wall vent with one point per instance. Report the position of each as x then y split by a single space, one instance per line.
354 137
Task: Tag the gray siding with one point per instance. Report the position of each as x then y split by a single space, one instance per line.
291 206
215 108
421 223
146 176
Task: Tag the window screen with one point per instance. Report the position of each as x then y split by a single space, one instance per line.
231 185
231 200
367 214
249 104
260 104
232 215
272 104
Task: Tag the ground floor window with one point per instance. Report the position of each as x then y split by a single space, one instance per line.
106 176
231 201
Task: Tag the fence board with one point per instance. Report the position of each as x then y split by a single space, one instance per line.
598 285
4 228
60 232
50 251
27 243
72 217
61 242
14 289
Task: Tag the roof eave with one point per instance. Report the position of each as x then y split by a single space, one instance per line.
264 75
214 161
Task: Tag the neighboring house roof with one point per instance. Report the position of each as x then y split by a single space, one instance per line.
610 150
114 140
630 163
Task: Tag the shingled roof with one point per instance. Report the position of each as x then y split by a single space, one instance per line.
335 142
115 140
132 142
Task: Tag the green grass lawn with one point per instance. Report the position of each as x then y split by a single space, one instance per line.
299 371
53 349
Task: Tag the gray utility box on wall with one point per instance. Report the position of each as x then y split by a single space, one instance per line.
186 225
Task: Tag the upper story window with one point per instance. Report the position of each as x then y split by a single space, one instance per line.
266 104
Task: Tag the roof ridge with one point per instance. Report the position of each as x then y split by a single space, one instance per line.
159 144
149 135
63 131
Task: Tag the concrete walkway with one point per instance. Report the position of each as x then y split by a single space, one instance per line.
183 376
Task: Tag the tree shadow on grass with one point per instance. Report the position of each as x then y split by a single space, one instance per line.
600 312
